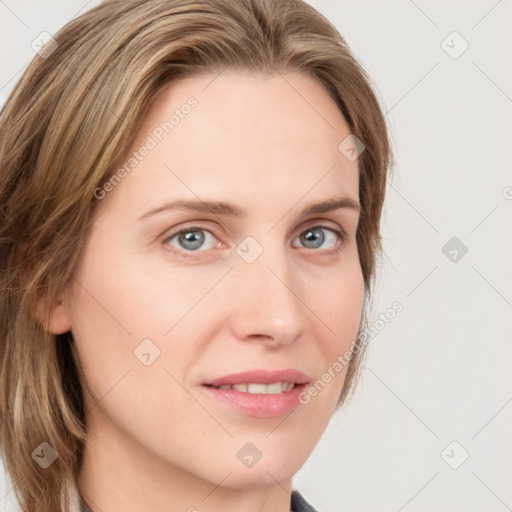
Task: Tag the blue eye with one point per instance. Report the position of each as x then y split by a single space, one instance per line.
190 239
193 238
314 237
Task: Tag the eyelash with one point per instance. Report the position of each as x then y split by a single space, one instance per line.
340 234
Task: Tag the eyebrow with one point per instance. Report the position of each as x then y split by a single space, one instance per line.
223 208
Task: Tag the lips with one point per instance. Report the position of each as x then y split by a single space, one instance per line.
243 392
260 376
257 405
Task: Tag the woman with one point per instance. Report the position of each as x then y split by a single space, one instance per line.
191 196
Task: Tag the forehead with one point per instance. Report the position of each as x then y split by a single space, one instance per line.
243 135
256 107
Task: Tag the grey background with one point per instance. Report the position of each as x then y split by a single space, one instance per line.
439 372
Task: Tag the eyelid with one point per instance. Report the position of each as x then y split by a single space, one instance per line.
321 223
193 226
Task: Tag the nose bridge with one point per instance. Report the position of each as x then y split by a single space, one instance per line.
268 302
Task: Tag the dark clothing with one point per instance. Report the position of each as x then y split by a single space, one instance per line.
299 504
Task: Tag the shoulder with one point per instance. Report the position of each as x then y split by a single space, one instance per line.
299 504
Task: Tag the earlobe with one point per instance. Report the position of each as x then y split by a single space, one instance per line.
59 321
55 318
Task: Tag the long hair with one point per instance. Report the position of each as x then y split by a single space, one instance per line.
65 128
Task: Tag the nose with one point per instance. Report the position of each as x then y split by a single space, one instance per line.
267 302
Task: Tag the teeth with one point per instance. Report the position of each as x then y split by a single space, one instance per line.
276 387
260 389
287 386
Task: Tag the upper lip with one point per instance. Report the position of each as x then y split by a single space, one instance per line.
260 376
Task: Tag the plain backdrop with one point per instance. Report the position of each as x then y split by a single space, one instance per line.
429 426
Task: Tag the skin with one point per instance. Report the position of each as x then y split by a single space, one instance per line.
156 441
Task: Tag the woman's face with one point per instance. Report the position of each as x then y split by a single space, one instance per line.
156 315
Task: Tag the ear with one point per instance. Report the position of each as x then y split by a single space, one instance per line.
54 318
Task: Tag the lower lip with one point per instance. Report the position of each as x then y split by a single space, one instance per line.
258 405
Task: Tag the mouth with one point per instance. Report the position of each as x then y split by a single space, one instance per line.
258 393
275 381
254 388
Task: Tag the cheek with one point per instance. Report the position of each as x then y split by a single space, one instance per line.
339 311
133 295
338 303
350 303
118 305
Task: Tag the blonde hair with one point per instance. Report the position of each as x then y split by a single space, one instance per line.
65 128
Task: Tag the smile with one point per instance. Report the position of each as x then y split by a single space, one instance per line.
260 389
